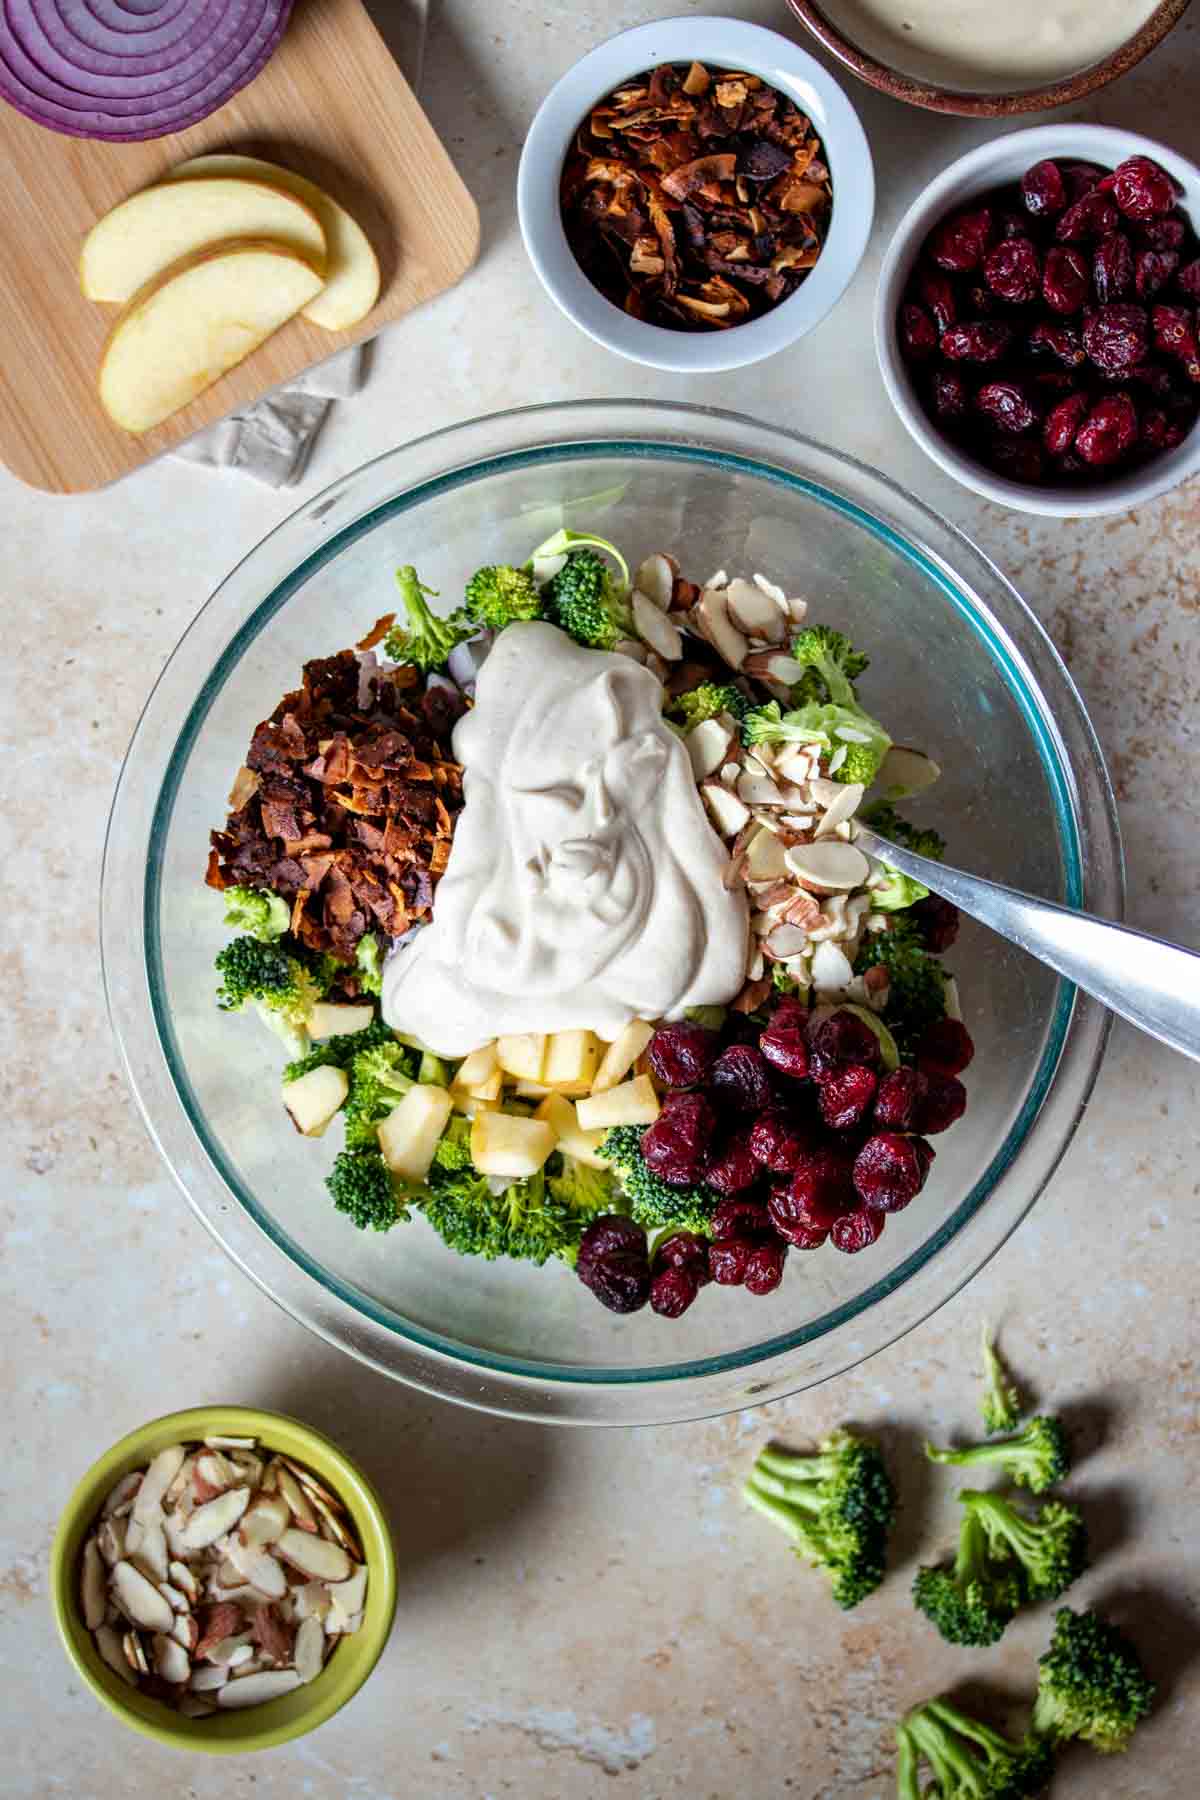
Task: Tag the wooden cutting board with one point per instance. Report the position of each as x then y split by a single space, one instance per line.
331 104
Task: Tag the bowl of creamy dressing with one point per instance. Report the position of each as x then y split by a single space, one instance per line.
980 59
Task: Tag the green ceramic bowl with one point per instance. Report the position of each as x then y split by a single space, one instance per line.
276 1721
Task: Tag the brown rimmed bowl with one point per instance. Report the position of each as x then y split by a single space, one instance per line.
987 104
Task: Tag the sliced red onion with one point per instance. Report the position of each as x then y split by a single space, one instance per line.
125 70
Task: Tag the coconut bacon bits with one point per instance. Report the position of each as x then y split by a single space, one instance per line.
696 198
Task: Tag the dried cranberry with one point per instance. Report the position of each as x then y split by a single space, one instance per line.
1079 178
845 1096
676 1145
613 1264
1091 217
1013 270
609 1234
1062 341
918 334
839 1039
764 1267
1156 379
1043 190
897 1099
1160 431
1063 422
683 1249
729 1260
672 1291
943 1102
961 242
1017 458
1175 335
951 395
857 1230
819 1192
1116 337
890 1170
1051 385
778 1141
937 294
739 1219
731 1168
1140 188
681 1054
945 1047
1007 406
1065 283
784 1045
981 341
1189 280
1152 271
1112 268
1162 234
740 1080
1110 429
937 921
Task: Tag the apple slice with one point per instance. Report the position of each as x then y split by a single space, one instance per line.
138 240
337 1019
621 1055
504 1144
559 1114
409 1135
197 320
312 1102
631 1103
351 270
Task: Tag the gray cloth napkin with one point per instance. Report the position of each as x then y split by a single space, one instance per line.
273 440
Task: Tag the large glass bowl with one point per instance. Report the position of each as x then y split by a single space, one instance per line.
959 666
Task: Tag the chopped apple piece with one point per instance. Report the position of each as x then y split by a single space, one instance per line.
531 1090
503 1144
621 1055
331 1020
409 1135
314 1098
475 1069
560 1114
522 1055
632 1103
489 1089
572 1058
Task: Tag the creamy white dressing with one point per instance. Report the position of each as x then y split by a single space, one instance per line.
990 43
585 884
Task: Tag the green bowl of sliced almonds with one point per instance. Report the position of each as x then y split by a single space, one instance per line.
223 1579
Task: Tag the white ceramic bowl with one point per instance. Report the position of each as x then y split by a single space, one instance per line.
991 166
730 44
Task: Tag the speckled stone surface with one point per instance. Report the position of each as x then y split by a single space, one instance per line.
584 1614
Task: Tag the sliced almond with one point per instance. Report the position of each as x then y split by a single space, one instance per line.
135 1654
206 1677
315 1557
253 1690
186 1631
710 619
212 1474
222 1654
213 1520
175 1598
171 1660
904 772
950 995
309 1649
151 1552
656 579
108 1643
842 808
241 1657
786 940
308 1480
173 1524
726 810
756 967
297 1500
755 613
121 1497
654 626
311 1600
351 1594
93 1587
259 1568
631 647
828 867
267 1516
182 1577
273 1637
758 790
798 610
796 762
221 1622
831 968
183 1475
249 1466
111 1540
764 858
708 744
139 1599
156 1481
334 1527
231 1443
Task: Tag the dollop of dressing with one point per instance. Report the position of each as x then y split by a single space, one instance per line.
585 885
976 42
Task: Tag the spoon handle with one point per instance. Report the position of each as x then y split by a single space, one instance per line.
1153 984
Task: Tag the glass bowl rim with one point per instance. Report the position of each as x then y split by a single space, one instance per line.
1025 691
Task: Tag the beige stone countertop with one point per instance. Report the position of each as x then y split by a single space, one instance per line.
585 1614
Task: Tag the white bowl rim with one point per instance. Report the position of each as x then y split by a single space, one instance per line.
734 44
979 169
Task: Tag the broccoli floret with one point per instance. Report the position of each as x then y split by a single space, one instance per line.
275 982
1090 1684
454 1146
379 1079
499 595
585 598
585 1190
258 912
882 817
853 743
896 891
836 1505
426 641
832 660
1001 1404
782 982
342 1050
651 1200
686 711
525 1220
564 542
969 1760
1035 1458
1051 1549
368 963
361 1186
917 981
971 1600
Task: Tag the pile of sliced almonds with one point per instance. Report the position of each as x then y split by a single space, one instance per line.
220 1576
745 622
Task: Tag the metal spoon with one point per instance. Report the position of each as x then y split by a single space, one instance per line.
1153 984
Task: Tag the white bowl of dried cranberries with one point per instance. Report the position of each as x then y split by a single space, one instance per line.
1038 319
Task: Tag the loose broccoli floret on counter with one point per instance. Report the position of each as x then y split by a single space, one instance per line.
426 641
368 963
275 982
882 817
916 981
258 912
837 1506
454 1146
1035 1458
1000 1407
524 1220
851 742
342 1050
1050 1549
971 1600
1090 1684
379 1079
648 1198
585 598
968 1760
704 702
831 664
362 1187
500 595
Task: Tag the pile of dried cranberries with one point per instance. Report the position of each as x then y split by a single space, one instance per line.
1051 328
797 1134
